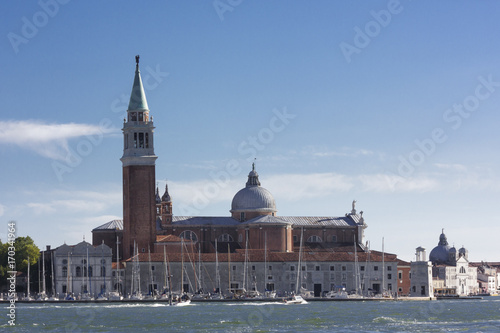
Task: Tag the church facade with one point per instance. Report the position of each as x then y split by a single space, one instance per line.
251 241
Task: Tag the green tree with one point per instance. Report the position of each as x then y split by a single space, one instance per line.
24 247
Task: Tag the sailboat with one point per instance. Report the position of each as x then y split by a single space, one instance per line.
115 295
43 295
296 298
135 291
28 296
53 297
87 296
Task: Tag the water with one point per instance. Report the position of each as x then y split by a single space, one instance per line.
373 316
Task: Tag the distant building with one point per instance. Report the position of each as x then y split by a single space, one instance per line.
451 272
82 268
421 275
333 247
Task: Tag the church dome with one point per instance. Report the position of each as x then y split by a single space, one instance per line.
439 254
253 197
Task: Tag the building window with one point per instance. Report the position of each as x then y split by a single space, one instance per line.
303 268
253 268
125 141
133 116
389 286
400 275
78 271
317 268
292 268
314 239
240 238
141 140
270 268
135 140
225 238
332 276
333 238
269 277
332 268
188 234
389 276
65 271
344 276
375 268
152 267
147 140
242 216
344 268
389 268
293 276
362 268
295 238
65 262
141 116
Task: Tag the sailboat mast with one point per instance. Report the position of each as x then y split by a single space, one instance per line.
182 265
383 265
165 267
28 278
52 274
43 272
117 272
265 260
299 269
228 269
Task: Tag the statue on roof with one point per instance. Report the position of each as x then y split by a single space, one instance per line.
137 59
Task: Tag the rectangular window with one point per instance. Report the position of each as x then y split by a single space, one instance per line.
140 116
152 267
333 238
317 268
389 268
270 268
141 140
295 238
375 268
270 286
293 276
389 286
64 289
362 268
400 275
332 276
269 277
292 268
344 268
135 140
234 268
389 276
344 276
147 140
332 268
125 143
253 268
303 268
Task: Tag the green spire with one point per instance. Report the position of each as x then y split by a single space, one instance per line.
137 97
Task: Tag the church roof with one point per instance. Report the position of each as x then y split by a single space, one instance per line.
111 225
138 96
204 220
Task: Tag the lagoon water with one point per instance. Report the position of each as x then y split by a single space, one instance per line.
371 316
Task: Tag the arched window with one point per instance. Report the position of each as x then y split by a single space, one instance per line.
64 271
462 269
188 234
314 239
225 238
78 271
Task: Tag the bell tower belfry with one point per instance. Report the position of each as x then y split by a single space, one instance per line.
138 163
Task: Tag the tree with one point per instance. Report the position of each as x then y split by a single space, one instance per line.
24 247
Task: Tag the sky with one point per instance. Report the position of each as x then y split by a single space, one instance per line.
393 104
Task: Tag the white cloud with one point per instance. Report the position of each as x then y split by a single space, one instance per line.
395 183
451 167
49 140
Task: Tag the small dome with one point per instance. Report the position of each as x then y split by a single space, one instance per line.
462 250
253 197
439 254
453 250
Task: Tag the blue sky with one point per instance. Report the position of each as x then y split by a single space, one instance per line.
391 103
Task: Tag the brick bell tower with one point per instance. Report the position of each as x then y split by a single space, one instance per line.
138 162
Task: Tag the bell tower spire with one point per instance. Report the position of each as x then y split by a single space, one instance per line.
138 162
